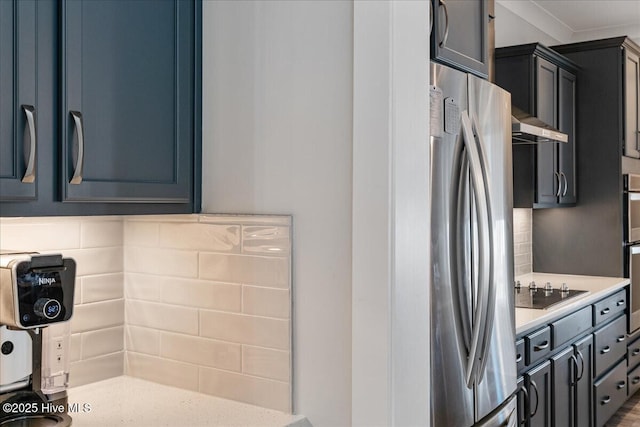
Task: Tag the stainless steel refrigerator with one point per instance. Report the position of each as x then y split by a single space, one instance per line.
473 368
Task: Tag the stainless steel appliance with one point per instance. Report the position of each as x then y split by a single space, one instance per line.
632 246
473 368
543 297
36 291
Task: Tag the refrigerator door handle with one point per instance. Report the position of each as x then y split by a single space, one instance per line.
458 257
479 189
491 286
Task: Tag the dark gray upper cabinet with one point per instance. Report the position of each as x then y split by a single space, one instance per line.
632 102
118 91
18 100
460 35
543 83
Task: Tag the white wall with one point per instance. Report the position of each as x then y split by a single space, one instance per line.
277 131
512 29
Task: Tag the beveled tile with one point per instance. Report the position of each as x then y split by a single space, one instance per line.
162 316
163 371
265 240
199 236
257 391
266 362
269 302
142 286
102 287
96 234
96 369
201 351
102 342
161 262
142 340
146 234
201 293
97 315
93 261
243 329
39 236
252 270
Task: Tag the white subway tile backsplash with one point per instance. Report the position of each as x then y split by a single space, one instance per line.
162 316
140 233
201 293
268 302
103 341
199 236
142 340
93 261
162 262
201 351
99 368
240 328
266 362
102 287
522 246
163 371
245 269
201 302
95 234
97 315
254 390
264 240
142 286
39 236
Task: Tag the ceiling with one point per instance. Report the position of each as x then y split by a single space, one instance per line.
578 20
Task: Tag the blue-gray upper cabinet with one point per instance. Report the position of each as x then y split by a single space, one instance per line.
100 107
18 100
127 119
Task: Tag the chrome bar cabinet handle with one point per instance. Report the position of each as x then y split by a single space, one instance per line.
446 24
30 129
79 162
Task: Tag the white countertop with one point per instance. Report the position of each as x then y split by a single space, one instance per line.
128 401
597 287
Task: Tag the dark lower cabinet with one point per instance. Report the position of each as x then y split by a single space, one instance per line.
572 384
537 383
610 392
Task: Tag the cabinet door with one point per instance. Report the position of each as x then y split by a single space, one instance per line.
632 104
460 34
567 124
127 100
18 103
538 382
563 371
547 177
583 387
522 396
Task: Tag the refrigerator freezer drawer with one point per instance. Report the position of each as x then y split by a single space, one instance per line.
506 416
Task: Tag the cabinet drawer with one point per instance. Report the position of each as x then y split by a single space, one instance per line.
537 345
610 344
610 393
633 354
633 381
571 326
520 355
609 307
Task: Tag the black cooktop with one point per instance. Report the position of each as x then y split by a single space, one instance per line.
541 298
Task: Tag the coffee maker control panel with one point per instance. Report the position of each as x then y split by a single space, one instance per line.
42 290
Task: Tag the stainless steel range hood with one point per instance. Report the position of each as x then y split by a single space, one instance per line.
527 129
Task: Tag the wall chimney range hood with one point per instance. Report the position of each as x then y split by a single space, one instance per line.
527 129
